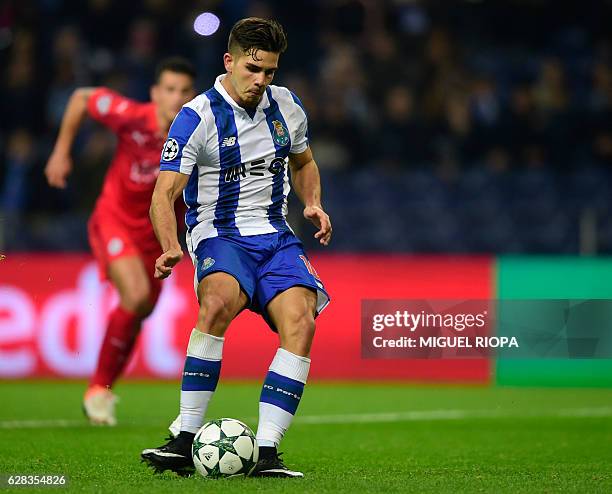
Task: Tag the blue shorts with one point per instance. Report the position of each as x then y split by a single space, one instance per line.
264 265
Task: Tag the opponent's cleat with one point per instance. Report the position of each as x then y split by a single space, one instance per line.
175 455
271 465
99 405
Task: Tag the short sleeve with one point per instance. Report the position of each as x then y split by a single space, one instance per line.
300 143
109 108
185 140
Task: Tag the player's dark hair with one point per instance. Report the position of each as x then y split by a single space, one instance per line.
254 33
178 65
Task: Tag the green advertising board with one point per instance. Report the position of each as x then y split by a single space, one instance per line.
537 278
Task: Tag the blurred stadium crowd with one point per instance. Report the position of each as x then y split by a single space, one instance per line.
461 126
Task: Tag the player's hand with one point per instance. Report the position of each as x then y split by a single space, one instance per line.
320 219
57 170
165 263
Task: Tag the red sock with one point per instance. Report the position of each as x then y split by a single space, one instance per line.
120 337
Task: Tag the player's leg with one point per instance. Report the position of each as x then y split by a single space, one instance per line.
221 298
118 259
138 294
225 273
292 313
137 297
290 294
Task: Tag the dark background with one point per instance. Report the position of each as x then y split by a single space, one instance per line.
441 126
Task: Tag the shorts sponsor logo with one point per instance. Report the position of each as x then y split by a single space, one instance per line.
171 150
115 246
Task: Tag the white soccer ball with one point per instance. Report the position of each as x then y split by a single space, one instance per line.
223 448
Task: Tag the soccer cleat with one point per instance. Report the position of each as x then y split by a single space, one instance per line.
99 405
271 465
175 455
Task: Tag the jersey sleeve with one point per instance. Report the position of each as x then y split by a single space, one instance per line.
110 108
300 142
185 140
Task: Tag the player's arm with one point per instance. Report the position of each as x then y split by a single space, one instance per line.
307 185
59 165
178 159
168 188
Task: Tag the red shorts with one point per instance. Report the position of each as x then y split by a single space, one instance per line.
110 240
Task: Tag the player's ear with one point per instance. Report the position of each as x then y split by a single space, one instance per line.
228 62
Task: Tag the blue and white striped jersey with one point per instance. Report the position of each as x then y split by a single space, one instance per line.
238 164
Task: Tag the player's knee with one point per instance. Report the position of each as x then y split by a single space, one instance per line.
306 328
299 331
138 301
215 313
145 308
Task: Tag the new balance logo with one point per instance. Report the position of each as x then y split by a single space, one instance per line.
228 142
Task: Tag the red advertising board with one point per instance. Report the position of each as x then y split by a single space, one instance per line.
53 310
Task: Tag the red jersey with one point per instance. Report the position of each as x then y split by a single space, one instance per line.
130 179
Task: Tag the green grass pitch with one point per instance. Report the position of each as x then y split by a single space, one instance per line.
346 438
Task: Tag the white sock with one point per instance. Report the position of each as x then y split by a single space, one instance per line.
200 378
280 396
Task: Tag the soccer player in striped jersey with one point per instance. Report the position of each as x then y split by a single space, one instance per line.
229 152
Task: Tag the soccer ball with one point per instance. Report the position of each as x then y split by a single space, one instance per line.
223 448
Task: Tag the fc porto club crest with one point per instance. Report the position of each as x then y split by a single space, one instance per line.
204 265
280 135
207 263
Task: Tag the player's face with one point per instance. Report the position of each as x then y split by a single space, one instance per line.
171 92
250 74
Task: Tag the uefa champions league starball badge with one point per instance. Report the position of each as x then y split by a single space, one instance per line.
171 149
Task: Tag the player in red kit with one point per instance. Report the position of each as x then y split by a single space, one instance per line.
120 232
